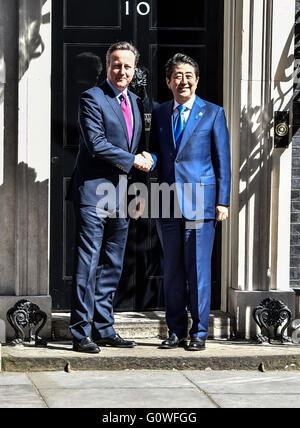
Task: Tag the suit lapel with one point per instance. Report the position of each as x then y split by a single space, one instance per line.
114 103
196 115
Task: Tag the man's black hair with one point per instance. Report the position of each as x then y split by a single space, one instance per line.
178 59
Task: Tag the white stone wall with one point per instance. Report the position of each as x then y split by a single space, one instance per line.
25 105
8 143
258 81
32 228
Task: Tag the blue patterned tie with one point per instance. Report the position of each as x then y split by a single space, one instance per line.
179 125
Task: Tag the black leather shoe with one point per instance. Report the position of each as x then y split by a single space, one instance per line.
172 343
116 342
196 344
86 345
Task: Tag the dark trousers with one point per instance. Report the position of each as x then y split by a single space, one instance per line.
187 274
99 255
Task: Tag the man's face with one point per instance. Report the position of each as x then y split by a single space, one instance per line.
120 70
183 83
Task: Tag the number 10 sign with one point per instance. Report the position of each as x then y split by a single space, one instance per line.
143 8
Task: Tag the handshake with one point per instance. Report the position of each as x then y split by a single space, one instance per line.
144 162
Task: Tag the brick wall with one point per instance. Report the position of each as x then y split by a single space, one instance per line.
295 205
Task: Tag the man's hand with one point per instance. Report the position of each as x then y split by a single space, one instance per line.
143 161
148 156
221 213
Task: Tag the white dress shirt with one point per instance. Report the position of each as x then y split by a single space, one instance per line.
118 94
189 105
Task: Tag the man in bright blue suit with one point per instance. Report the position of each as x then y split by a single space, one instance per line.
190 140
111 133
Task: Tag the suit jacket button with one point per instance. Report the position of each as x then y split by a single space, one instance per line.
177 161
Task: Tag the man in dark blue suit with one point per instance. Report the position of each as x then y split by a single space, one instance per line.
190 139
111 129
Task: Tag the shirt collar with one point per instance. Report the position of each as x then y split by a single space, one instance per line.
116 91
189 104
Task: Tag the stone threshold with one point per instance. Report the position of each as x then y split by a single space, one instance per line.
219 355
136 325
223 352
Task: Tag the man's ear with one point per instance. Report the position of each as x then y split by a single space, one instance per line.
168 81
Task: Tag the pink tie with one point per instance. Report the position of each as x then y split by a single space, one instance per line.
127 115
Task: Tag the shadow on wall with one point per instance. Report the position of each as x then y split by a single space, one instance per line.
297 74
24 226
31 45
258 159
281 76
22 214
17 38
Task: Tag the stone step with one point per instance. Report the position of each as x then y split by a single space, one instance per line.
219 355
147 328
138 325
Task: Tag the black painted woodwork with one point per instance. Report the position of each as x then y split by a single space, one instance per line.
82 32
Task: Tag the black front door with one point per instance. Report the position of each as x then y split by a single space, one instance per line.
82 32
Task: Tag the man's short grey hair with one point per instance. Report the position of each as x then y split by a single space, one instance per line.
122 46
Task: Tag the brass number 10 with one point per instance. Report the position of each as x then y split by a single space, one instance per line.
143 8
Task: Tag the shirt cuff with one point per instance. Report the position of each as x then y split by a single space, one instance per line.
154 157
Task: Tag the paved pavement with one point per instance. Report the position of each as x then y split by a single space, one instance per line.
142 389
229 374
